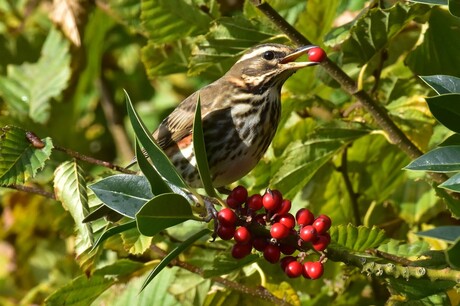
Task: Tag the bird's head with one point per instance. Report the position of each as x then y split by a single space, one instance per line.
269 65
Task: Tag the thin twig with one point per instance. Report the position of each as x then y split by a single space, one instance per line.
259 292
343 169
94 161
31 189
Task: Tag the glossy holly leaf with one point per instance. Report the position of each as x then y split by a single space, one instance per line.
227 39
454 7
20 159
29 87
84 290
442 84
432 2
443 159
439 50
453 254
453 183
357 238
124 193
446 233
159 159
113 231
161 212
397 248
70 190
446 109
200 152
173 254
169 20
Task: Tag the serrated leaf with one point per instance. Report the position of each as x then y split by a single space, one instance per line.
83 290
446 109
446 233
357 238
200 152
173 254
442 84
397 248
19 159
162 60
443 159
161 212
159 159
113 231
134 242
123 193
227 39
169 20
28 88
70 189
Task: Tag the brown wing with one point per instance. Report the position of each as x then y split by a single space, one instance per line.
179 123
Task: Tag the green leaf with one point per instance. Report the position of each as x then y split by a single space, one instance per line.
443 159
113 231
124 193
160 60
169 20
161 212
453 255
70 189
28 88
446 109
159 159
173 254
453 183
423 290
157 183
439 46
446 233
397 248
83 290
433 2
225 264
19 158
357 238
442 84
134 242
454 7
227 39
200 152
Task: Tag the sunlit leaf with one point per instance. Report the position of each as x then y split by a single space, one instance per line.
357 238
29 88
161 212
397 248
173 254
442 84
123 193
19 158
66 14
446 233
134 242
113 231
443 159
70 189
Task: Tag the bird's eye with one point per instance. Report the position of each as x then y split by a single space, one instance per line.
269 55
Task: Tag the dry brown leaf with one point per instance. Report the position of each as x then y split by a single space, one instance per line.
65 13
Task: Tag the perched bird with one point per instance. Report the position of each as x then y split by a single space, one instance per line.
240 114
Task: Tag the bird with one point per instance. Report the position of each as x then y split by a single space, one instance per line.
240 113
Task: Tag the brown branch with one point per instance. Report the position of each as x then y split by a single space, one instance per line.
377 111
259 292
343 169
31 189
93 161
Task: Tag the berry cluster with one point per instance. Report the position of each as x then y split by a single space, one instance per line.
265 224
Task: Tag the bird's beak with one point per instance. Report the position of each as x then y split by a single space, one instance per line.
290 60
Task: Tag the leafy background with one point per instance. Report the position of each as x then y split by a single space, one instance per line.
64 65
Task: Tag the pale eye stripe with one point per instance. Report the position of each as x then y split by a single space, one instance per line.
254 53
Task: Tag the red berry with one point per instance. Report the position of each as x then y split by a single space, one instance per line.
313 269
232 202
321 243
240 194
242 235
259 243
241 250
272 253
293 269
279 231
308 233
226 232
255 202
260 218
316 54
287 249
272 200
304 217
287 220
285 207
285 261
321 225
226 217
